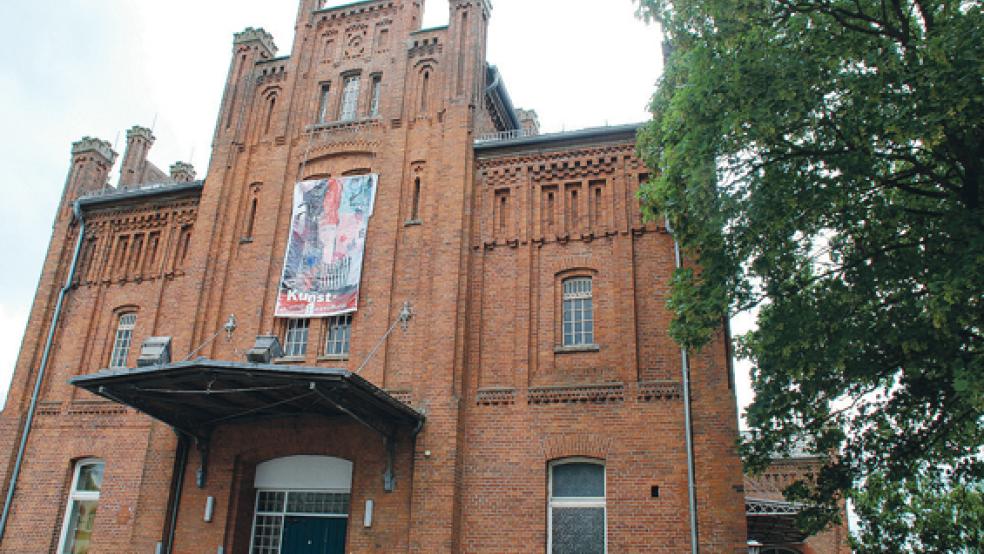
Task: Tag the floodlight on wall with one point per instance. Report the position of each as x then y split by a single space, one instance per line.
266 348
155 351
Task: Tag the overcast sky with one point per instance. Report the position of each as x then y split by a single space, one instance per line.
96 67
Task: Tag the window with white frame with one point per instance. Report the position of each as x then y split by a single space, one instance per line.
338 334
578 308
576 512
350 98
122 340
296 337
80 513
377 89
323 102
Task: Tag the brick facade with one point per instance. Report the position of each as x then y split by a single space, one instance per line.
480 251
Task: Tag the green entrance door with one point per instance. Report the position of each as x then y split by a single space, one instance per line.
314 535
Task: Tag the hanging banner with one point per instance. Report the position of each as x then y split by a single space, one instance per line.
323 262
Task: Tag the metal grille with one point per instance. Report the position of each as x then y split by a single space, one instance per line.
124 336
350 98
296 338
338 335
578 312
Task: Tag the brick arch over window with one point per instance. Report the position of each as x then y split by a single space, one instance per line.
323 165
268 106
575 445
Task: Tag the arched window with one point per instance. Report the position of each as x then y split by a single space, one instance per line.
122 340
80 513
415 201
377 90
424 86
578 312
269 117
350 98
576 511
323 102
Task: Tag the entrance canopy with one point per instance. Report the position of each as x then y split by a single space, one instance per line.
197 396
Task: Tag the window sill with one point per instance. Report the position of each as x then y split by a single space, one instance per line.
289 360
576 348
333 358
412 222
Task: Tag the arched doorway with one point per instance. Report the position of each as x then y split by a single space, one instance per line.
302 505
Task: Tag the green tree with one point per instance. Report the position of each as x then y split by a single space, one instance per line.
823 161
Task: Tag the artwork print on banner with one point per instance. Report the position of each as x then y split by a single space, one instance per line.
323 262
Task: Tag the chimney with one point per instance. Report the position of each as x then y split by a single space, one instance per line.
138 143
182 172
92 160
529 121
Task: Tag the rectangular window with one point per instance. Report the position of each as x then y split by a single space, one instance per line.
122 340
576 511
578 312
80 513
323 102
296 337
338 334
377 89
350 98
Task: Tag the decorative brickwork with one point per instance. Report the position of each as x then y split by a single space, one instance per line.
614 392
659 390
495 397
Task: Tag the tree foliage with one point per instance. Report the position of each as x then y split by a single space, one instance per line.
823 161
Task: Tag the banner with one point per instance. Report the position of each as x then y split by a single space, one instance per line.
323 262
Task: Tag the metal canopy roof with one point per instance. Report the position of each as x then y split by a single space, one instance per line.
197 396
773 521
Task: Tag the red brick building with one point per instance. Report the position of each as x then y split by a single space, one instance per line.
507 383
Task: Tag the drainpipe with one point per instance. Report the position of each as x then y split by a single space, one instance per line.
8 503
687 421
